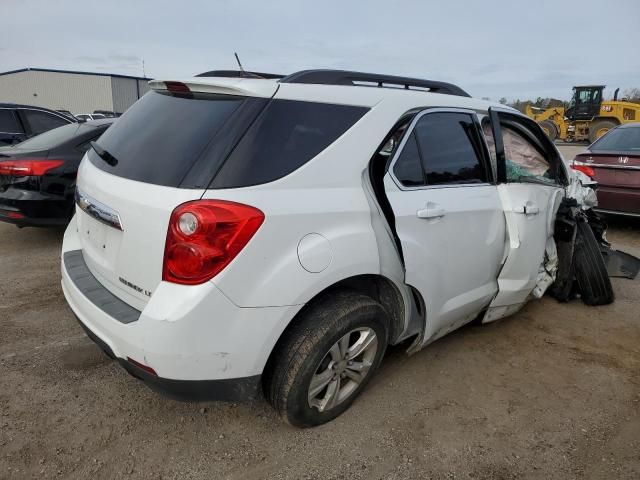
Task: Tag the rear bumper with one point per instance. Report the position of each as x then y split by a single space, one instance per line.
26 208
199 343
227 390
616 212
618 200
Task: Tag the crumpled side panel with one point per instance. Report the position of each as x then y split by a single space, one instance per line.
548 270
581 189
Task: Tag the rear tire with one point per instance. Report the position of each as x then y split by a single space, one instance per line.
550 129
599 128
590 270
301 356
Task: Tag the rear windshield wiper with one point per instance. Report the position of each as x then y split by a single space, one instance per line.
103 154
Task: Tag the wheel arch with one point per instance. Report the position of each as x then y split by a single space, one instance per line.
379 287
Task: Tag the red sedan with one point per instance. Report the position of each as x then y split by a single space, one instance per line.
614 162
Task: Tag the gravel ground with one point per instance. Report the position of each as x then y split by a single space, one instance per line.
552 392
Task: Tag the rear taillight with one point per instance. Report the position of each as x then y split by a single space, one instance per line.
584 169
32 167
178 88
204 236
11 214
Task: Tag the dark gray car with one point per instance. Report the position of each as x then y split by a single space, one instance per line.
20 122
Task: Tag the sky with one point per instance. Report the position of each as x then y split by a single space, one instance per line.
491 48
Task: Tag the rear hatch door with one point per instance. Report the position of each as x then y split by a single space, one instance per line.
161 153
122 226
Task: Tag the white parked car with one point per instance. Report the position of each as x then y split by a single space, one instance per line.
90 116
235 236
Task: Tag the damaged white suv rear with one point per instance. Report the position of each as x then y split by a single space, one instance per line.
239 236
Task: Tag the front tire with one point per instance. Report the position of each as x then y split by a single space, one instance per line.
598 128
591 272
326 358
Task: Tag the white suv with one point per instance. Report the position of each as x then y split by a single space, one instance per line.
235 236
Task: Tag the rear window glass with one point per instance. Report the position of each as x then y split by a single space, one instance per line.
236 141
619 140
161 136
55 137
285 136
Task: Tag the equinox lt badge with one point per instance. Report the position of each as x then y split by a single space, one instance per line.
134 286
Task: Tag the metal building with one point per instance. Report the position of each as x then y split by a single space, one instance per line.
78 92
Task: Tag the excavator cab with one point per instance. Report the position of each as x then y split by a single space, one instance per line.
585 103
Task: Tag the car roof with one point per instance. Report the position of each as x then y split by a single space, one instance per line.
67 116
360 95
19 105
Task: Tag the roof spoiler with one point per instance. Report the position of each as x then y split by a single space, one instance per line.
245 87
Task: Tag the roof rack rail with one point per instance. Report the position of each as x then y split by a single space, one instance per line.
239 74
345 77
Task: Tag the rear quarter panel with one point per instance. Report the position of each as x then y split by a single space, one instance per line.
268 271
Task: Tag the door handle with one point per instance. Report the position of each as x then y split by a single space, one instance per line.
431 210
529 208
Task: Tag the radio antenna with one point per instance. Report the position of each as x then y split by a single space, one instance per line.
239 64
243 73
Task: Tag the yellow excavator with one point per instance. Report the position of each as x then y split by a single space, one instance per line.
587 118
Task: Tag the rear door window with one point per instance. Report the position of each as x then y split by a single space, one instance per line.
42 121
8 122
450 150
444 148
285 136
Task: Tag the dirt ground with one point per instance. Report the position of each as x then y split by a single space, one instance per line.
550 393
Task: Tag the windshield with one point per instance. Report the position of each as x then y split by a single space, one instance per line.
619 140
52 138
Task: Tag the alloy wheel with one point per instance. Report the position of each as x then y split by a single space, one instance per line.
343 368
